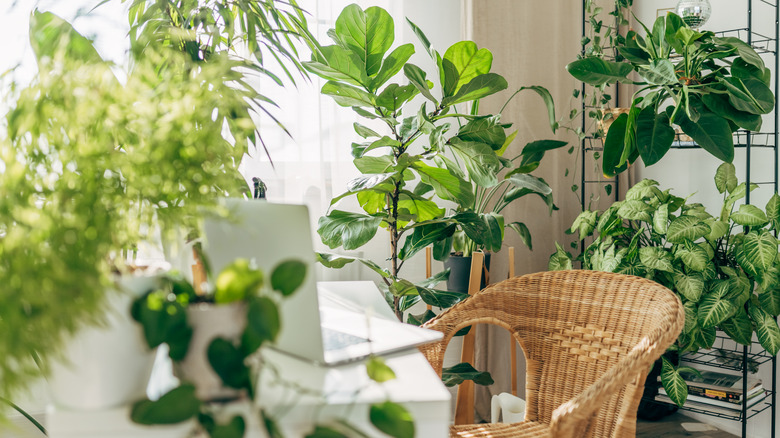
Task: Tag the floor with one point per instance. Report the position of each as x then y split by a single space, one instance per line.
672 427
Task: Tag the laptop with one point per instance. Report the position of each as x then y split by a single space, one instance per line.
267 233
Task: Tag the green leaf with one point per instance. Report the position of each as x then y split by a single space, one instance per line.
560 260
749 95
457 374
417 77
364 131
522 230
673 382
658 72
378 371
179 404
478 88
392 419
480 161
533 153
661 219
368 34
726 178
263 324
712 132
714 309
441 298
654 135
766 328
234 428
690 286
350 230
745 51
418 320
236 282
757 252
614 146
423 236
636 211
693 256
467 62
523 184
719 104
347 95
741 69
51 37
288 276
773 211
228 362
392 65
686 228
596 71
338 64
422 209
584 223
447 185
749 215
770 300
739 327
394 96
656 258
485 130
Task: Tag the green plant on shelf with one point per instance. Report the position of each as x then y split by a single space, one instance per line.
723 267
710 86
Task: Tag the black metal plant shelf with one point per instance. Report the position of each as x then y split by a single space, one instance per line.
751 412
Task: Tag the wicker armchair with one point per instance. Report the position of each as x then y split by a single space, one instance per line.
589 339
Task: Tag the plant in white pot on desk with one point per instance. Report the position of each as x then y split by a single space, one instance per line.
92 165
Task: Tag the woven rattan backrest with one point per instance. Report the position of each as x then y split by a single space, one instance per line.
573 326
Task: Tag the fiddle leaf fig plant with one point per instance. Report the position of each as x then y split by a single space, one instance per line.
416 155
710 86
724 267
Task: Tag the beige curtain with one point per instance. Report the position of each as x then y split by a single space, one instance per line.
532 41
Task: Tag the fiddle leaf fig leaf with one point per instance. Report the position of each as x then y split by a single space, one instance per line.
485 130
338 64
392 419
423 236
766 328
468 62
749 215
446 184
673 382
392 65
349 230
364 131
479 87
686 228
347 95
441 298
368 34
417 77
394 96
480 160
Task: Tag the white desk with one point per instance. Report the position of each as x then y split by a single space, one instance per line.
342 392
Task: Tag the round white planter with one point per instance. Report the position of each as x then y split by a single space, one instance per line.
209 321
109 366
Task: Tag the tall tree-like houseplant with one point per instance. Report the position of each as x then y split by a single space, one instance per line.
422 157
724 267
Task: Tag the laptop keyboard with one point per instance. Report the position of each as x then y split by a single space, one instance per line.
333 340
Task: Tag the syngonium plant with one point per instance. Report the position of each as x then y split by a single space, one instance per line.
438 149
723 267
710 86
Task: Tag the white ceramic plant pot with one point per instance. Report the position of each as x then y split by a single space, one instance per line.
108 366
209 321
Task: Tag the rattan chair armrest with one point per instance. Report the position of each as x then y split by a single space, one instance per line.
570 419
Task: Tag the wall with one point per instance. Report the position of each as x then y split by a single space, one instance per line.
691 171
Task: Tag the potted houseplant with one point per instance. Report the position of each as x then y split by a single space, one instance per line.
411 164
724 266
710 86
93 165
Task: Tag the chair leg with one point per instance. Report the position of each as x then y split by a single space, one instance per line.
464 405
